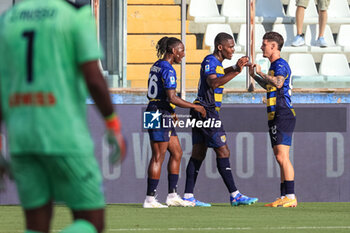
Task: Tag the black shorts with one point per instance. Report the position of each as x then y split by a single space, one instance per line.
214 137
281 130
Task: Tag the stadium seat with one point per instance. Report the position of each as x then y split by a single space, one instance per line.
288 31
304 71
263 62
234 11
211 32
259 33
311 36
150 2
338 12
311 14
205 11
334 65
271 11
343 37
4 5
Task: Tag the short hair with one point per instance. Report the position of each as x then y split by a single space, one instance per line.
166 45
220 38
276 37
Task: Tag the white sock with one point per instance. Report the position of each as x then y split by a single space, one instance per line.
234 194
188 195
290 196
172 195
150 198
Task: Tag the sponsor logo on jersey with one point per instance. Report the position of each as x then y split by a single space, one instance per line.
207 68
223 138
172 80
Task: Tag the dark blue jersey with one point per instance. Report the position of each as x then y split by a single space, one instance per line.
206 95
279 100
162 77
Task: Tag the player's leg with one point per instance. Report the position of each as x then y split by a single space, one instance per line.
159 149
174 148
287 173
33 186
224 168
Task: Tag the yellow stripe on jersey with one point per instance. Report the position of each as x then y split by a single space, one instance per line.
270 88
293 111
219 70
217 109
172 105
270 115
271 101
218 97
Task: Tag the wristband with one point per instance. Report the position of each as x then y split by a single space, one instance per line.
112 122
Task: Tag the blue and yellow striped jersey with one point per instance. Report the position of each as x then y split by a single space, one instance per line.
279 100
207 96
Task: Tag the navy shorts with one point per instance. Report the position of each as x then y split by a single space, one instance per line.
281 131
213 137
162 134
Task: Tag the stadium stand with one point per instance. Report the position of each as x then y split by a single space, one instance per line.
335 69
259 33
149 20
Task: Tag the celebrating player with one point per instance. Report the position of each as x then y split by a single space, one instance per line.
210 89
280 112
48 63
161 95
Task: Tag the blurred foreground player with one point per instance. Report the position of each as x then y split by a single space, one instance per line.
280 112
210 88
162 96
49 61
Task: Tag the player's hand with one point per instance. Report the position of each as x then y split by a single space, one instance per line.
115 140
201 110
254 69
243 61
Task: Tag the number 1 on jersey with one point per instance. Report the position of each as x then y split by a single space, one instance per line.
29 35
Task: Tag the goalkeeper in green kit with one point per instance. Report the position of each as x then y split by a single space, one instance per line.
48 65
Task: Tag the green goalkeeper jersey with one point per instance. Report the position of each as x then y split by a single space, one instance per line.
43 92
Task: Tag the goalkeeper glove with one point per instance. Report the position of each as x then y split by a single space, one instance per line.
115 139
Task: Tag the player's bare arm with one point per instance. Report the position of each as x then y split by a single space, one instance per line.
215 82
97 87
174 99
264 79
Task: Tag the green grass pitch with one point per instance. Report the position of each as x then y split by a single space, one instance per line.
307 217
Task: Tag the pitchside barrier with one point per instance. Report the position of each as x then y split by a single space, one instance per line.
320 154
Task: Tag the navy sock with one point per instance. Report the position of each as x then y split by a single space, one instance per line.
289 186
283 189
224 168
191 174
151 186
172 182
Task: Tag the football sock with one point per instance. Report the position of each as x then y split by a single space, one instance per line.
30 231
172 182
81 226
224 168
151 186
191 174
188 195
289 188
234 194
283 189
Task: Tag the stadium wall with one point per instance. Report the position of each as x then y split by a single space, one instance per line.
320 153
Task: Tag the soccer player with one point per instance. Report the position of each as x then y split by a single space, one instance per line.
48 64
280 112
210 88
162 96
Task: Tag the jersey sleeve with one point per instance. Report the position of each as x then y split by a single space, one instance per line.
169 78
209 66
281 70
85 36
